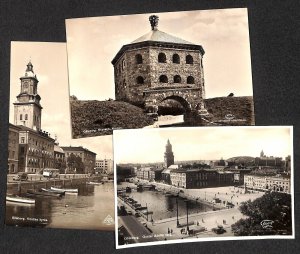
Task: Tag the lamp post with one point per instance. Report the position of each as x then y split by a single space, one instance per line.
177 220
187 215
147 211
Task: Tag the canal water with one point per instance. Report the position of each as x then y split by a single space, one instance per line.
91 208
164 207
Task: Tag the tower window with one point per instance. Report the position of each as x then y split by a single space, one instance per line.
123 64
162 58
177 79
163 79
176 59
138 59
190 80
21 117
26 116
189 59
140 80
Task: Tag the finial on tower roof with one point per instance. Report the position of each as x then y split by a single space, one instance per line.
154 21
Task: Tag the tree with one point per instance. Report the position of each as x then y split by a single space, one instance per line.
268 215
75 162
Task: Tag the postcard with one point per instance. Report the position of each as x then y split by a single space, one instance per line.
53 181
190 68
177 185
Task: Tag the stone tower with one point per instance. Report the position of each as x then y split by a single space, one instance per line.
158 66
27 108
169 156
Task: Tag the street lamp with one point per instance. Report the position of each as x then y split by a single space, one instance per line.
187 214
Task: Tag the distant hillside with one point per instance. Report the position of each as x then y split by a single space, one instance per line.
246 160
94 118
241 107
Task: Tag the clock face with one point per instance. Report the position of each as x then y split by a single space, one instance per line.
25 85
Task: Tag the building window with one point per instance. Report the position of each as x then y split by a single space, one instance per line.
176 59
123 64
140 80
138 59
177 79
22 140
189 59
162 58
163 79
21 117
26 117
190 80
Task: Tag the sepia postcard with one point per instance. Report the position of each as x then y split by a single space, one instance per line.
190 68
175 185
53 181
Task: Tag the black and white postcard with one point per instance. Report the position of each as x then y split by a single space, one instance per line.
53 181
189 68
176 185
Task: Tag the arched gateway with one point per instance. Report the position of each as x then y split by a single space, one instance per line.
158 66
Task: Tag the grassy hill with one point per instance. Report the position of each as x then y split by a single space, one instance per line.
94 118
246 160
241 107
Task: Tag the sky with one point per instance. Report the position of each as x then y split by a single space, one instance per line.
224 34
50 65
202 143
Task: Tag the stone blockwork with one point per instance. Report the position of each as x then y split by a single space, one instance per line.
140 78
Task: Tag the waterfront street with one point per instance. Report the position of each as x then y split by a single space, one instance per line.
205 220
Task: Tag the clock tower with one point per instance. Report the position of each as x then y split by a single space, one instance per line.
27 108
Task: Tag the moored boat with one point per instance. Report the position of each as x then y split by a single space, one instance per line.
65 190
93 183
19 199
42 193
53 191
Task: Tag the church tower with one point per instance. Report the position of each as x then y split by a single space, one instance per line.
169 156
27 108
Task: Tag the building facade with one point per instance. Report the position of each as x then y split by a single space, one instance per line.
88 158
268 161
278 183
36 150
13 148
200 178
105 166
158 66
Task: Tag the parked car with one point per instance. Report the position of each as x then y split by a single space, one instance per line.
21 177
219 230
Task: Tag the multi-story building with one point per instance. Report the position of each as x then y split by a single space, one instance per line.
149 173
264 160
105 166
278 183
88 158
200 178
36 150
13 148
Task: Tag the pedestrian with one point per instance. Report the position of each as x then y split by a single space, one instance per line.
171 231
202 220
168 231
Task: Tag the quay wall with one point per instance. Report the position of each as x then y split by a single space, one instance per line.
22 187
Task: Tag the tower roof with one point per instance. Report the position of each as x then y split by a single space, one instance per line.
29 71
159 39
159 36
